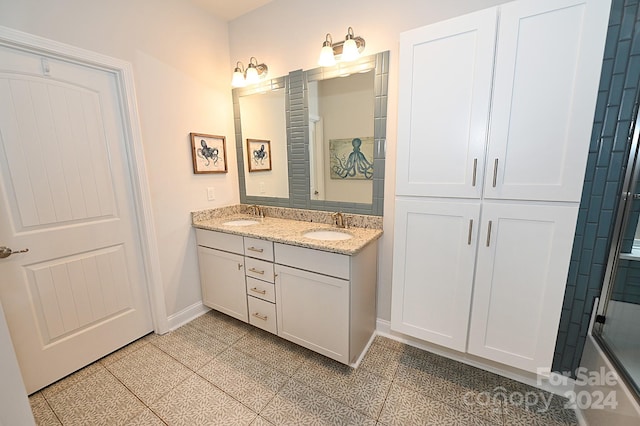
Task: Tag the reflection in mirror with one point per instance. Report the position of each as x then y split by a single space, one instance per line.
260 114
347 115
341 113
264 118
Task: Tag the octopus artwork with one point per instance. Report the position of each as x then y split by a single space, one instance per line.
355 166
207 153
259 155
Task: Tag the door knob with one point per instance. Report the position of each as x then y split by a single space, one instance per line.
6 252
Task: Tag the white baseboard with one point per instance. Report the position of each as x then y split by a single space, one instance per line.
383 328
187 314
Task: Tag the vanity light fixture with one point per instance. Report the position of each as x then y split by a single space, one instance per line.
252 75
347 50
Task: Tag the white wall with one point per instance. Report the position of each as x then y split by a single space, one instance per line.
181 64
287 35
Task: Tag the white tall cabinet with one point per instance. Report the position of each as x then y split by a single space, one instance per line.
495 116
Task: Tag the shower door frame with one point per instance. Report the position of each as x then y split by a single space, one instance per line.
629 186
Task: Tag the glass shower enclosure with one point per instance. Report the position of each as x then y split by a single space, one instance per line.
617 324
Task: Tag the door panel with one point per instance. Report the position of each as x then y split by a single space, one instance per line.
521 274
546 78
434 253
80 292
445 90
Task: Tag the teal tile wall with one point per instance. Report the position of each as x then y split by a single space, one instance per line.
608 152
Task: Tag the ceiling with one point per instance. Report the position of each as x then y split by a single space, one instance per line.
229 9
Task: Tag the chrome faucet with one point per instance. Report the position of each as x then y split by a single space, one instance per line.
257 210
339 220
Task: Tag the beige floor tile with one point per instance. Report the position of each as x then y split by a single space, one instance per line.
149 373
42 412
192 347
273 351
244 378
381 360
405 407
221 327
359 389
130 348
197 402
71 379
146 418
297 404
100 399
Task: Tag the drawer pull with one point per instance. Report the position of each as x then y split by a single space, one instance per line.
489 234
256 290
257 250
475 170
262 317
495 172
256 271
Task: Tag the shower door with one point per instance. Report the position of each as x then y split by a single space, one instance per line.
617 326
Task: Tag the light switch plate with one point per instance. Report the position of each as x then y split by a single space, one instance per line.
211 193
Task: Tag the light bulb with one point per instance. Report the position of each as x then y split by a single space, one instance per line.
252 75
326 57
349 50
238 79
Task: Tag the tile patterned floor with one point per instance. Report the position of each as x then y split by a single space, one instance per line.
219 371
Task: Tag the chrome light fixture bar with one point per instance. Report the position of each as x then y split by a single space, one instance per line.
347 50
251 75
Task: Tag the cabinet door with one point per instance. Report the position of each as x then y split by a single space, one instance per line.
222 281
433 262
313 311
521 273
547 71
445 90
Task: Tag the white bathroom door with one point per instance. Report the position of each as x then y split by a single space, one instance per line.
80 292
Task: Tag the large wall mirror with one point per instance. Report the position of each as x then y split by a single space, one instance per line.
335 121
261 142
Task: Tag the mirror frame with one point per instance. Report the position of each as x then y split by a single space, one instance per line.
297 123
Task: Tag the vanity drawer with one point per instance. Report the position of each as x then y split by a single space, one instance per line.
323 262
262 314
258 269
261 289
260 249
220 241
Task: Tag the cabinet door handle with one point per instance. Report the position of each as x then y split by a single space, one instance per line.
262 317
258 250
475 169
256 271
489 234
495 172
256 290
470 231
239 266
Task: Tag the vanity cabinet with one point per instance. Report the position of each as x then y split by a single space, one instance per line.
326 301
222 275
494 124
321 300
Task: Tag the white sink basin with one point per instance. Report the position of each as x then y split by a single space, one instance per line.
327 235
241 222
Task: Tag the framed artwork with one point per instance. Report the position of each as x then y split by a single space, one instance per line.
351 158
209 153
259 155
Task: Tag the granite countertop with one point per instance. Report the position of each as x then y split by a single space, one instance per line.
289 231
